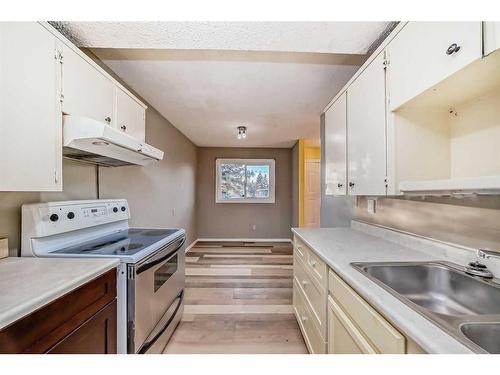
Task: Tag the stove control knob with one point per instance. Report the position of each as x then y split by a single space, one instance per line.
71 215
115 209
54 217
124 208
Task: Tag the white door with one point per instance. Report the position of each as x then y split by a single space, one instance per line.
425 53
335 147
491 37
366 131
87 92
30 109
130 115
312 182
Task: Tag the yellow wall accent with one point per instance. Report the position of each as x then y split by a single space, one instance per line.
301 182
312 153
305 153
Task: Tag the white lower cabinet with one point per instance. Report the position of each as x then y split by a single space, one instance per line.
30 109
343 335
310 286
87 92
356 326
334 319
366 131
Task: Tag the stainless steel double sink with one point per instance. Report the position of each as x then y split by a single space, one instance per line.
466 307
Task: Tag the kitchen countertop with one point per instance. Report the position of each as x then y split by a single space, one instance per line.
27 284
339 247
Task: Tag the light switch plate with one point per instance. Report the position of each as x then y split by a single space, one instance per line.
4 248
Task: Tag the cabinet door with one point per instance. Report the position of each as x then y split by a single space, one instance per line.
96 336
335 147
366 131
425 53
87 92
343 335
30 109
130 115
491 37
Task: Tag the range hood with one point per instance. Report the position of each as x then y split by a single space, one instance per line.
91 141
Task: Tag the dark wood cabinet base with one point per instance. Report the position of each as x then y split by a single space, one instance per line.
72 323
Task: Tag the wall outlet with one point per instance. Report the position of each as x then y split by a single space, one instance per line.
371 205
254 227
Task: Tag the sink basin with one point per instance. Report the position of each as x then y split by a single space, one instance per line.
485 335
438 288
466 307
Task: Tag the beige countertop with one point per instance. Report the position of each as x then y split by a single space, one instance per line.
26 284
339 247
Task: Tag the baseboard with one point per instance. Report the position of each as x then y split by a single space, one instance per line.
191 245
244 240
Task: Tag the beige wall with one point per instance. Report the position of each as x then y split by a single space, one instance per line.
473 222
162 194
78 183
235 220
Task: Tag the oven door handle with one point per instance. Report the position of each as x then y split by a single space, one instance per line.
154 262
148 344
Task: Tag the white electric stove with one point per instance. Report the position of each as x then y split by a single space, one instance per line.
150 278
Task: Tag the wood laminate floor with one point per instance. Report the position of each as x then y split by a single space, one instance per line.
238 300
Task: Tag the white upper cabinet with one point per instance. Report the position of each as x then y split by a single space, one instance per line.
130 115
425 53
491 37
30 109
335 147
366 131
87 92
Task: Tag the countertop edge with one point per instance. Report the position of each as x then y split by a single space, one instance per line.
378 306
24 309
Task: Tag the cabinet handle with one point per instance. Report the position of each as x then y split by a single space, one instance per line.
304 283
340 185
108 120
313 263
304 318
123 127
351 184
452 49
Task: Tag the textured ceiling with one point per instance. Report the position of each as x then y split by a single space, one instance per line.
279 102
325 37
208 78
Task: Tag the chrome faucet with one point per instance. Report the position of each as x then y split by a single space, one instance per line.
479 269
487 253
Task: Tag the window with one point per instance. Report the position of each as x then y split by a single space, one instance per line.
244 181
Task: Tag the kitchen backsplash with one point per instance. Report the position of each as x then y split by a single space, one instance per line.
472 221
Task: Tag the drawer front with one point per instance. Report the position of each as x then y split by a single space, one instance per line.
380 333
315 295
318 268
343 335
314 341
300 249
96 336
42 329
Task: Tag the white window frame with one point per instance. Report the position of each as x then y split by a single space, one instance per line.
272 184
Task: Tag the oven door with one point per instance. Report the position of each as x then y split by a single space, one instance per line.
154 298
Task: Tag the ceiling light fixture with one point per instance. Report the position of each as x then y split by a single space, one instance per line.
242 132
